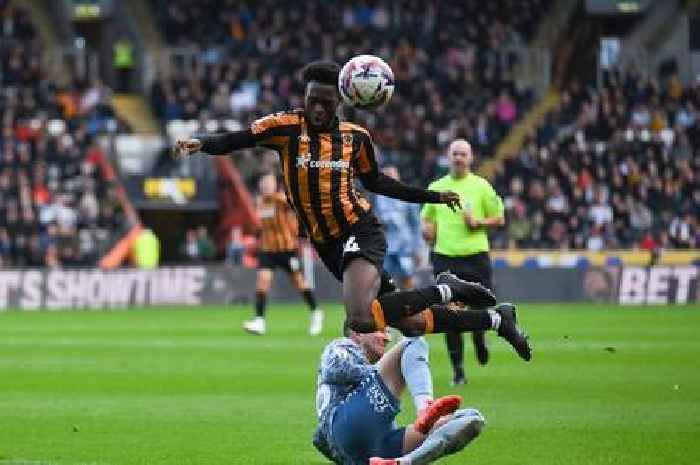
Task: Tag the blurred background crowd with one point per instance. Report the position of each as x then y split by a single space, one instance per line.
614 165
56 209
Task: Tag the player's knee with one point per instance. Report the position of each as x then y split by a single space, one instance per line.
361 324
410 331
411 327
419 345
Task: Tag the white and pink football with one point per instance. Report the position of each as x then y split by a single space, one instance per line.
366 82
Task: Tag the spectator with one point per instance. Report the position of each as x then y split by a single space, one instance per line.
519 227
205 246
681 231
257 73
618 166
190 248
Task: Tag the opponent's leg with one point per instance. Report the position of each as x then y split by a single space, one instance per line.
407 365
316 317
262 286
448 437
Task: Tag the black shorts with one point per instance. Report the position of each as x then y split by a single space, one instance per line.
475 267
288 261
364 239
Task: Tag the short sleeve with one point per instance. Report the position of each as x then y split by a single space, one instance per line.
492 203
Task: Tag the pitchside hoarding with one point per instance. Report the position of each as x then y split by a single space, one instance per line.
38 289
658 285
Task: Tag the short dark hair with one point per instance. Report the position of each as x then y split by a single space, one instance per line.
323 72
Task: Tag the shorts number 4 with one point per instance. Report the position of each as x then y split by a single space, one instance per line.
351 245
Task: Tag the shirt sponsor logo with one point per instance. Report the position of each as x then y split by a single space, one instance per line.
307 162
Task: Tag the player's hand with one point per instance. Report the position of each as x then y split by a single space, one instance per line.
186 147
451 199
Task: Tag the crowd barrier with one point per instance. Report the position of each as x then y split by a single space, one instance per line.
44 289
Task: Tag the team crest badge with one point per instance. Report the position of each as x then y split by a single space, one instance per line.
347 139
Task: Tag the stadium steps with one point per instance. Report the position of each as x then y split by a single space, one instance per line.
144 21
134 109
554 24
47 28
510 146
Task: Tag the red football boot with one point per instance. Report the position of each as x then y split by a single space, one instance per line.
435 410
381 461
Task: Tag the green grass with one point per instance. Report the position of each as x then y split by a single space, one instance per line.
186 386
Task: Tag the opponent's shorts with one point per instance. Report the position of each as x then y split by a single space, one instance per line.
288 261
399 265
475 267
362 426
364 239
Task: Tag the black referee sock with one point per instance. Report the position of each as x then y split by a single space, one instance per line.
260 303
460 321
392 307
309 298
455 347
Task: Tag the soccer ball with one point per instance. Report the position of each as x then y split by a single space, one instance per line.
366 82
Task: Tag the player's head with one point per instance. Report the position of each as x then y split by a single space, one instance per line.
460 156
321 98
267 184
372 344
391 171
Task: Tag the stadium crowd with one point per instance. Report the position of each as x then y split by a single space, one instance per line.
449 79
55 207
614 167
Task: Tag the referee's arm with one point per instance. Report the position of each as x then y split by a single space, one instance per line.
492 208
429 223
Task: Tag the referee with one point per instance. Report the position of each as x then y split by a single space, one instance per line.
460 238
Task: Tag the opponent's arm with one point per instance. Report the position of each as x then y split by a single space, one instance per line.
215 144
343 364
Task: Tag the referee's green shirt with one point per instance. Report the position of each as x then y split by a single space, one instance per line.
453 237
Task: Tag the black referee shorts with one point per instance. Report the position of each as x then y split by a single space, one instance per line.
476 267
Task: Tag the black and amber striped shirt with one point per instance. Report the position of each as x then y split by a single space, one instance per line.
318 170
278 225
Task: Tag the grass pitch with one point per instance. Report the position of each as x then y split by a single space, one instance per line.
607 385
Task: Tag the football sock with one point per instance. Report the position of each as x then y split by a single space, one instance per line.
309 298
455 347
393 306
415 368
453 436
444 320
495 319
260 302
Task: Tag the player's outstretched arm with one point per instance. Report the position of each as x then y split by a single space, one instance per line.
215 144
380 183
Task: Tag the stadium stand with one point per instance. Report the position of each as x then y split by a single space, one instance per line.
610 167
56 207
247 56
